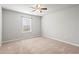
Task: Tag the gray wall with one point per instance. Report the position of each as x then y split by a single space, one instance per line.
0 25
12 26
63 25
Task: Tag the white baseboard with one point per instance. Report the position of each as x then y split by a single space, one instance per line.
19 39
50 37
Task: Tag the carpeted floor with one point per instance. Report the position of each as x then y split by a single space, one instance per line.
38 45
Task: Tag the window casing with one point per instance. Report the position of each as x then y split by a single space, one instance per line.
26 24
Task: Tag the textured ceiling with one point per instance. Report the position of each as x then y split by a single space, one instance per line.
26 8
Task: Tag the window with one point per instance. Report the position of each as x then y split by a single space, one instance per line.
26 24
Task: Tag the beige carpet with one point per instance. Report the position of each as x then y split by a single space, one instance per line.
38 45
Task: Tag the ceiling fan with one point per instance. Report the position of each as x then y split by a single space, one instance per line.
38 8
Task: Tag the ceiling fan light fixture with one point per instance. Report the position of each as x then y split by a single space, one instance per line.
39 8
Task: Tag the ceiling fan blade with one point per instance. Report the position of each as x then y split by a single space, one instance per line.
37 6
32 7
33 10
44 8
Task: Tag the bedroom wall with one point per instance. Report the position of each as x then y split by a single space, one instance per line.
0 25
62 25
12 26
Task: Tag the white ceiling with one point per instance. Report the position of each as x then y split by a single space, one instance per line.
26 8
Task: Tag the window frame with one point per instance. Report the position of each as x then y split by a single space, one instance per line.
30 24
